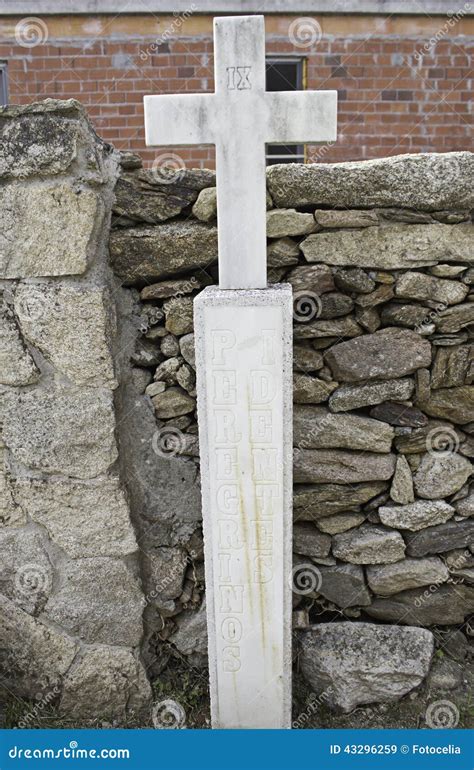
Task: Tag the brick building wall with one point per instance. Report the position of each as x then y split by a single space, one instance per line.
404 81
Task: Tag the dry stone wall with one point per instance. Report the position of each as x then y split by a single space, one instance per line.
380 257
70 591
101 568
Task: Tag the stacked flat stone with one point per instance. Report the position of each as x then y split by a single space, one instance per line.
380 258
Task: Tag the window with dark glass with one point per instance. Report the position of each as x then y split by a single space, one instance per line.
284 74
3 84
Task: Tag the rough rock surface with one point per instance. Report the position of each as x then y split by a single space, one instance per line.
283 222
83 518
311 390
447 605
309 541
344 585
72 326
173 403
34 140
357 663
411 285
345 218
454 319
416 515
409 573
316 428
26 574
340 522
390 248
100 600
356 396
454 404
367 357
369 545
150 253
321 500
411 181
451 366
16 364
440 475
179 315
314 278
205 208
61 430
124 691
43 657
152 196
191 637
441 538
338 328
401 490
318 466
33 223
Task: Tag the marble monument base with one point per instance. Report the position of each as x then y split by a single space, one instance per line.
244 386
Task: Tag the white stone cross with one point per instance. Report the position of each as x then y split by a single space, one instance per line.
243 333
239 118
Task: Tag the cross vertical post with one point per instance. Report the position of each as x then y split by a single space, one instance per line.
243 334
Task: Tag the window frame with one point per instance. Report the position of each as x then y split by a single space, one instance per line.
301 62
3 84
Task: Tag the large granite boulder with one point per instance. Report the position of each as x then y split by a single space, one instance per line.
416 515
60 429
313 502
386 354
123 693
145 254
316 428
35 656
369 544
436 605
392 247
73 326
154 195
321 466
387 579
427 181
47 230
357 663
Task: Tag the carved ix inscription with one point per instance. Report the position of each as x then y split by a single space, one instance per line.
238 78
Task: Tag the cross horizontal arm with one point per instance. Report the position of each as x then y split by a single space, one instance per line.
179 119
301 116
